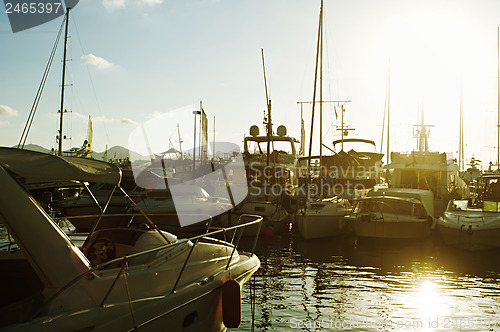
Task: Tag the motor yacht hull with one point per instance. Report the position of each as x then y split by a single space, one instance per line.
315 226
390 228
473 235
276 218
194 306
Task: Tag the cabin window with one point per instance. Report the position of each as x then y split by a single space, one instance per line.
396 206
284 147
493 190
409 179
459 205
490 206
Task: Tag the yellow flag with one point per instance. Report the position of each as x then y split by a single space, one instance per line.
90 139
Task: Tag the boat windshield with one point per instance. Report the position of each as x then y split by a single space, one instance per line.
492 189
491 206
401 207
255 147
358 145
458 205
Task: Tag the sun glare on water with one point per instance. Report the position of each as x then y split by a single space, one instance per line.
429 304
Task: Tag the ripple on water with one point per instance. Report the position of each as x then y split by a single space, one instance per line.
320 285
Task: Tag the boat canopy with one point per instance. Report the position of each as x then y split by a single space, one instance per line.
353 140
38 167
426 197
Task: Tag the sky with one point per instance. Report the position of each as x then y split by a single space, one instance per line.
131 61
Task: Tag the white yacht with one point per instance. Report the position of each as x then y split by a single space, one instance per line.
428 170
322 218
474 224
393 214
120 279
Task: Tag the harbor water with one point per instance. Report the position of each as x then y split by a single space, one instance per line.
352 285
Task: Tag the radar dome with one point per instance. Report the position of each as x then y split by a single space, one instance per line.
254 131
281 130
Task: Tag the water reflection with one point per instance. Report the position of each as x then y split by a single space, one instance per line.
352 285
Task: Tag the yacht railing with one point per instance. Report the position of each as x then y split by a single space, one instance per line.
126 259
469 217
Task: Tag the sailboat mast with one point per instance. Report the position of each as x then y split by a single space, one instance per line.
314 96
200 134
302 132
61 110
388 108
213 149
461 138
498 96
342 128
423 139
269 128
180 141
321 90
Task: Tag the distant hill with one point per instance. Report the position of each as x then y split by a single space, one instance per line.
115 153
34 147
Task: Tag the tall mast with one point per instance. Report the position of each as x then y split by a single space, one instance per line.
302 132
314 95
342 127
498 96
423 132
269 129
321 89
61 110
200 133
388 108
180 141
461 138
213 152
194 143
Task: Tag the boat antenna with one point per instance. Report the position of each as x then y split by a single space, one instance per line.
61 110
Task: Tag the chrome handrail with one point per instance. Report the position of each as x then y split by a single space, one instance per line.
125 259
475 217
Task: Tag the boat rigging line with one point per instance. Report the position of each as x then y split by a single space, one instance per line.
91 81
34 107
61 110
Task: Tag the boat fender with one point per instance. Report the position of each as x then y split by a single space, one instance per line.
231 303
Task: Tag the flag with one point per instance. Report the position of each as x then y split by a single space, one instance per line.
89 146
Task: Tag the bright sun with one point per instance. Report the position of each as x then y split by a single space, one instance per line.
430 56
